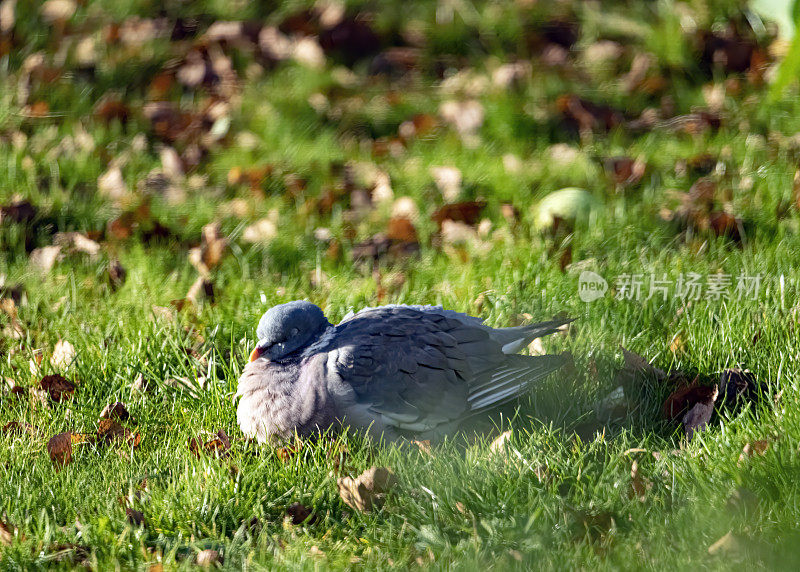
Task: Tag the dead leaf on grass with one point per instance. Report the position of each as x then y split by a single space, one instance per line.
218 446
57 387
300 514
697 418
6 534
109 431
758 448
116 410
63 355
639 484
59 447
368 490
134 516
20 427
500 442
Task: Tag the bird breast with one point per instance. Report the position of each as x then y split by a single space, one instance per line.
277 401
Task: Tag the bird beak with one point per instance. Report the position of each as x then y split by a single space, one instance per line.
256 353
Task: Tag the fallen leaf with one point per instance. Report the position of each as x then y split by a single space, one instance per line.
208 558
57 10
368 490
217 446
500 442
116 274
466 116
728 544
639 485
110 431
76 242
44 258
300 514
208 255
60 446
697 418
63 355
134 516
584 116
401 229
448 181
261 232
116 410
6 534
685 397
57 386
624 171
468 212
423 445
20 427
754 448
112 184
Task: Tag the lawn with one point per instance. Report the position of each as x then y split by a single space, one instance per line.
169 171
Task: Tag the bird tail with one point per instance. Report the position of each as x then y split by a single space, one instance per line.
516 376
515 338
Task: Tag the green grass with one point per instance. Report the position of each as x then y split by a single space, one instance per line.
558 497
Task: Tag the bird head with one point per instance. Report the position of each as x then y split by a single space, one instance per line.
285 328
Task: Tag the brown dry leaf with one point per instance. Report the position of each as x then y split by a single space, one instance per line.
112 184
116 274
217 446
200 289
423 445
677 345
754 448
7 16
76 242
116 410
300 514
699 414
20 427
624 171
63 355
111 109
401 229
585 116
368 490
110 431
15 329
44 258
53 11
208 558
213 246
59 446
57 387
134 516
684 397
468 212
6 534
639 485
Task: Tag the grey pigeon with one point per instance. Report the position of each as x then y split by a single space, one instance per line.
396 371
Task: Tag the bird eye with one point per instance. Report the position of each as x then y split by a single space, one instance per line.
294 332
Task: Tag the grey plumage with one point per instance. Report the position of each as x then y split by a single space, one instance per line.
394 370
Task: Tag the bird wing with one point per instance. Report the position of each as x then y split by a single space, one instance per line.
419 367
